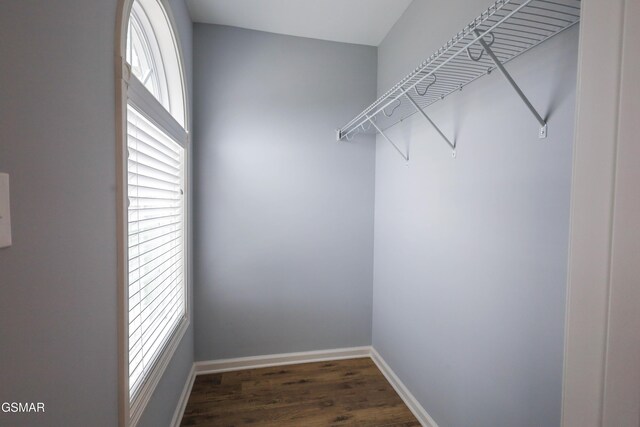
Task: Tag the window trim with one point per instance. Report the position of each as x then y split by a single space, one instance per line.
130 89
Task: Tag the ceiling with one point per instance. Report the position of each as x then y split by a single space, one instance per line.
350 21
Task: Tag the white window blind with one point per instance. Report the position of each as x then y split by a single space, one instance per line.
156 289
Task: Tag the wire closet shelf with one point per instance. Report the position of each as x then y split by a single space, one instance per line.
507 29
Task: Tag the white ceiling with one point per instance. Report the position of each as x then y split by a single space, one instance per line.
350 21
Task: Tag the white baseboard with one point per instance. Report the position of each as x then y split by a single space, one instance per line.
184 398
408 398
239 363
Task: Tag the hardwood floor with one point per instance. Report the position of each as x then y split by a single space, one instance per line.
337 393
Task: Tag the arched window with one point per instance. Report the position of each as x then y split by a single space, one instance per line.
152 199
143 54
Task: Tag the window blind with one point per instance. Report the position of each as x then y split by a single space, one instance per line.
156 288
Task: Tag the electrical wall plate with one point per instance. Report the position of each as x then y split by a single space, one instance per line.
5 215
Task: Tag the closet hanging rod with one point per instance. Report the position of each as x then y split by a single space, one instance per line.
502 32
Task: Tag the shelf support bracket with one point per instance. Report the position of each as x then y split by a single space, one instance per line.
421 111
404 156
514 85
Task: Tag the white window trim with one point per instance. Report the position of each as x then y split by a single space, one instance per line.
130 90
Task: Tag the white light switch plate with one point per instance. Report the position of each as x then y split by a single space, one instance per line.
5 215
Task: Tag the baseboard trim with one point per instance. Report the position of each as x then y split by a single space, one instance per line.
184 398
239 363
404 393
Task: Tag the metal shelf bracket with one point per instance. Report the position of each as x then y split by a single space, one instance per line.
404 156
421 111
514 85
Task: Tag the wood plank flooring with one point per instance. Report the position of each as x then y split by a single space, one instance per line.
338 393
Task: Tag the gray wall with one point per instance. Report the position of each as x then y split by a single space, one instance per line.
471 253
58 283
284 214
